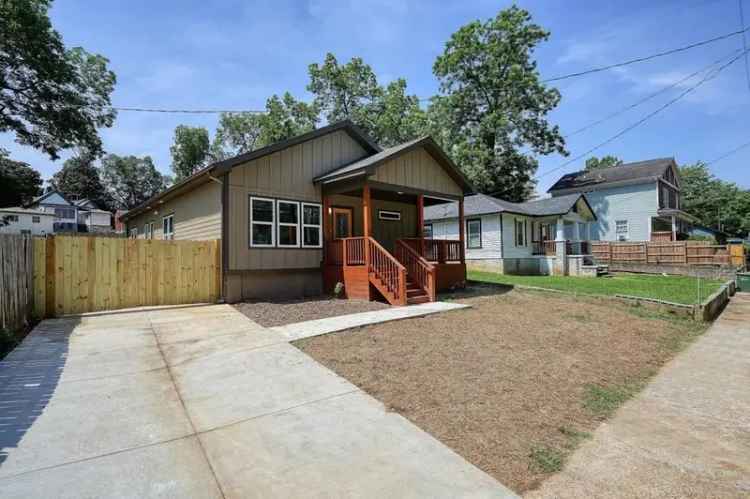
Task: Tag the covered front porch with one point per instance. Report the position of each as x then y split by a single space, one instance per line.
572 230
374 243
671 224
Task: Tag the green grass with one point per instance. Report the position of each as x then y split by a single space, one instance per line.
603 401
546 459
677 289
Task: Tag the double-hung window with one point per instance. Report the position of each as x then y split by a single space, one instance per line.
621 230
167 227
288 221
474 234
520 226
35 219
312 225
262 222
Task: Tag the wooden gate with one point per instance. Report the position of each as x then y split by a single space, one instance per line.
88 274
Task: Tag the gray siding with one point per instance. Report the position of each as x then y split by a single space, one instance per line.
287 174
634 203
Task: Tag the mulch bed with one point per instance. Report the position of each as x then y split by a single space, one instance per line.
269 314
504 383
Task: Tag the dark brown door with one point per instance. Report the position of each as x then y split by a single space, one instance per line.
342 223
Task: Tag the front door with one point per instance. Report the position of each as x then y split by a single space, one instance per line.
342 223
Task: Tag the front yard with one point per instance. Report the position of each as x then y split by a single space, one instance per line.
515 383
677 289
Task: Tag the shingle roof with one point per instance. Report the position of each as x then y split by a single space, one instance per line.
626 173
481 204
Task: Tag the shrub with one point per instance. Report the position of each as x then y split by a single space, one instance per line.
338 290
8 342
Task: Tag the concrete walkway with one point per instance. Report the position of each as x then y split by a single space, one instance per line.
317 327
202 402
686 435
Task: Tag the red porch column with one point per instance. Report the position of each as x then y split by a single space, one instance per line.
462 229
420 222
366 222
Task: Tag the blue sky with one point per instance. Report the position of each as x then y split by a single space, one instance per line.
233 55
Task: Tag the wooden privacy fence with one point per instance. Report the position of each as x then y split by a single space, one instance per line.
674 253
75 274
16 281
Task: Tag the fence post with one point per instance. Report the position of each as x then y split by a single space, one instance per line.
645 250
49 261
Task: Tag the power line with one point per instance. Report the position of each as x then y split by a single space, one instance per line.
647 58
729 153
744 44
187 111
647 98
625 130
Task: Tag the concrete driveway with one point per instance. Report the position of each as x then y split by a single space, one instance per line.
203 402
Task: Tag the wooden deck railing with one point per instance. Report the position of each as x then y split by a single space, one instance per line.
386 268
547 248
354 250
417 267
435 250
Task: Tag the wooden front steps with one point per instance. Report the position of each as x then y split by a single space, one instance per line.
415 294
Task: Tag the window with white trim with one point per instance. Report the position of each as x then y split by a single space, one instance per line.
167 227
520 228
621 230
312 225
35 219
11 218
287 216
262 222
389 215
134 233
474 234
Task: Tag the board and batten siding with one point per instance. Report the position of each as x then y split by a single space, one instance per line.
419 170
634 203
197 215
492 244
287 174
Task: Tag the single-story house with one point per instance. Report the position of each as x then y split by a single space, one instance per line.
18 220
532 238
633 202
326 207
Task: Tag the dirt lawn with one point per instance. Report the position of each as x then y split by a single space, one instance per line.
515 383
270 314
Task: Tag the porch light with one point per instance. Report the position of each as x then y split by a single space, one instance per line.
400 193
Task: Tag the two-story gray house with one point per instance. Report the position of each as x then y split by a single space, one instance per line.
632 202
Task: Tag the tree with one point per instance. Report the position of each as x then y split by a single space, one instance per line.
189 150
285 117
715 202
51 98
79 179
19 183
495 104
131 180
351 91
594 163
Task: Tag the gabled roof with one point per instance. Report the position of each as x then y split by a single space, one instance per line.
629 173
46 195
481 204
221 167
369 164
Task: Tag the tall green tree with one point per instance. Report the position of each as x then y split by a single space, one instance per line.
51 98
79 179
285 117
399 117
19 182
130 180
715 202
189 150
594 163
495 105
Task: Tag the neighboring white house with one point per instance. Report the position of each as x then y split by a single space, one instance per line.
24 221
92 218
77 216
633 201
516 238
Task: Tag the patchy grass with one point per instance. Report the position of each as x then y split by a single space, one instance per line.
546 459
515 383
678 289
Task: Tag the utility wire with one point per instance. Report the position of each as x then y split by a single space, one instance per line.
744 44
728 153
625 130
648 57
647 98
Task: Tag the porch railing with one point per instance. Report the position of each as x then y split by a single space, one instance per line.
417 268
549 248
354 250
386 268
435 250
